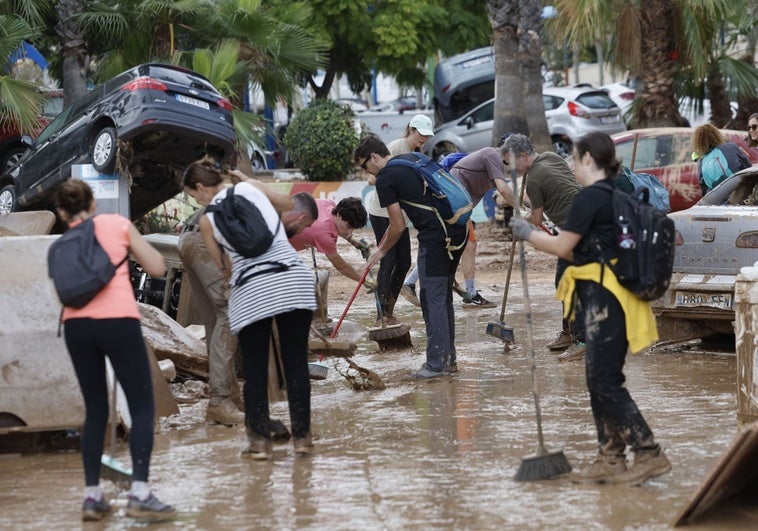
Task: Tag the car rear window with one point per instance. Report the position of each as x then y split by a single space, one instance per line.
179 77
551 102
596 100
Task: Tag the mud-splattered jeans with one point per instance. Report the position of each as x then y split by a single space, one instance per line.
210 294
392 267
576 327
618 421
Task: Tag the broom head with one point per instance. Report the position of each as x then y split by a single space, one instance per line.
501 331
112 469
317 371
543 465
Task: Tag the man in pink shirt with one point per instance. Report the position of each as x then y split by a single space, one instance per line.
334 220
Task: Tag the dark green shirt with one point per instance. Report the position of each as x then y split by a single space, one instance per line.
551 186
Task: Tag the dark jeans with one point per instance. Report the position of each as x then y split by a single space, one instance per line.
254 340
393 267
576 329
618 421
436 296
88 342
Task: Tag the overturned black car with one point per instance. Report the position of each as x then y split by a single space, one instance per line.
145 124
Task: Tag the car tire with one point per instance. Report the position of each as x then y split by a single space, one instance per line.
103 150
7 199
258 163
11 157
562 146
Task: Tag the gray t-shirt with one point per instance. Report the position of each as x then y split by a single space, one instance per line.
478 171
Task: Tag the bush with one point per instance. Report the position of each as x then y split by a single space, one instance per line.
321 139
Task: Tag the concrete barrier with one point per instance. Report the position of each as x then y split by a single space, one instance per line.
746 340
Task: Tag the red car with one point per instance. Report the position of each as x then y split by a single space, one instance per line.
666 152
12 145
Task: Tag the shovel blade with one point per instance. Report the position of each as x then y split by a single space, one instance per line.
500 331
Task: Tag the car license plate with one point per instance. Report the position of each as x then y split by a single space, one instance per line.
609 119
193 101
713 300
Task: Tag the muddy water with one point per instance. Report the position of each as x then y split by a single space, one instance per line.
421 455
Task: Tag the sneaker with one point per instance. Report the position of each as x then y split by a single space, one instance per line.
151 508
425 373
647 464
561 342
94 510
259 448
605 469
224 412
574 352
478 301
408 291
304 445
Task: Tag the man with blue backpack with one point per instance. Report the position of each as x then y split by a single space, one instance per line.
402 187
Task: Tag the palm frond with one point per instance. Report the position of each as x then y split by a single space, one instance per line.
20 103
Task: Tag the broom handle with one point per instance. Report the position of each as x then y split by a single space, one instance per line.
522 263
113 415
513 245
350 302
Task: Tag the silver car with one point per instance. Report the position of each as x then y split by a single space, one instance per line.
715 238
571 112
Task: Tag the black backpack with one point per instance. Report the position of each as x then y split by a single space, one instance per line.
242 225
79 266
645 264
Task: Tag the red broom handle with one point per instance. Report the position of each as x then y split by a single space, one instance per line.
349 303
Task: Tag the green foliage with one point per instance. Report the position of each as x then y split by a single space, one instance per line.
321 139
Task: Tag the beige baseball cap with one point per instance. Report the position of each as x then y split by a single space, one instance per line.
422 124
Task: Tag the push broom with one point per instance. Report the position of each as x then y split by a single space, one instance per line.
112 469
544 464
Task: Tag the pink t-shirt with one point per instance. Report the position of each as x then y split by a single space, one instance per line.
322 234
116 300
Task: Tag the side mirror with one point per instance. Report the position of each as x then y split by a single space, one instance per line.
26 139
469 122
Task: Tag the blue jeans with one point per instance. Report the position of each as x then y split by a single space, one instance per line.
436 296
617 419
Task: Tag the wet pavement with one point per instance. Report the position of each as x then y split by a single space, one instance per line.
421 455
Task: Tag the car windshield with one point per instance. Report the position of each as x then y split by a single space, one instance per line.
736 190
54 126
596 100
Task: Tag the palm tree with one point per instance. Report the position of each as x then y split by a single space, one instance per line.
655 41
530 58
73 48
19 101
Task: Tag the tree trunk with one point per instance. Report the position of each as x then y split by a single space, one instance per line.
658 104
509 105
530 55
73 49
322 92
721 111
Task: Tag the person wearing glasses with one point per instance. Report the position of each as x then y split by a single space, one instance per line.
396 263
551 188
752 130
398 187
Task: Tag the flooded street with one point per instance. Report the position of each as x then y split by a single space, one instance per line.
421 455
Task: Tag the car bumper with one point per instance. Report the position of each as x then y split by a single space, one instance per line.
698 297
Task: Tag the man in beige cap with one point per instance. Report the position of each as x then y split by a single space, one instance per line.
395 264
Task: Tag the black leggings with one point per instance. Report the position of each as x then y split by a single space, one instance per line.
88 342
393 267
254 341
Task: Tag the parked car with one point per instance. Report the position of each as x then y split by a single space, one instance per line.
12 144
666 152
623 95
714 239
152 120
571 112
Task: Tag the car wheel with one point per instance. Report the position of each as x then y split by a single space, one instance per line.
7 199
12 157
103 150
562 146
258 163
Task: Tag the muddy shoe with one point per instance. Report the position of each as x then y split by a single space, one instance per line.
279 432
477 301
425 373
605 469
408 291
647 464
561 342
94 510
259 448
224 412
151 509
304 445
574 353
